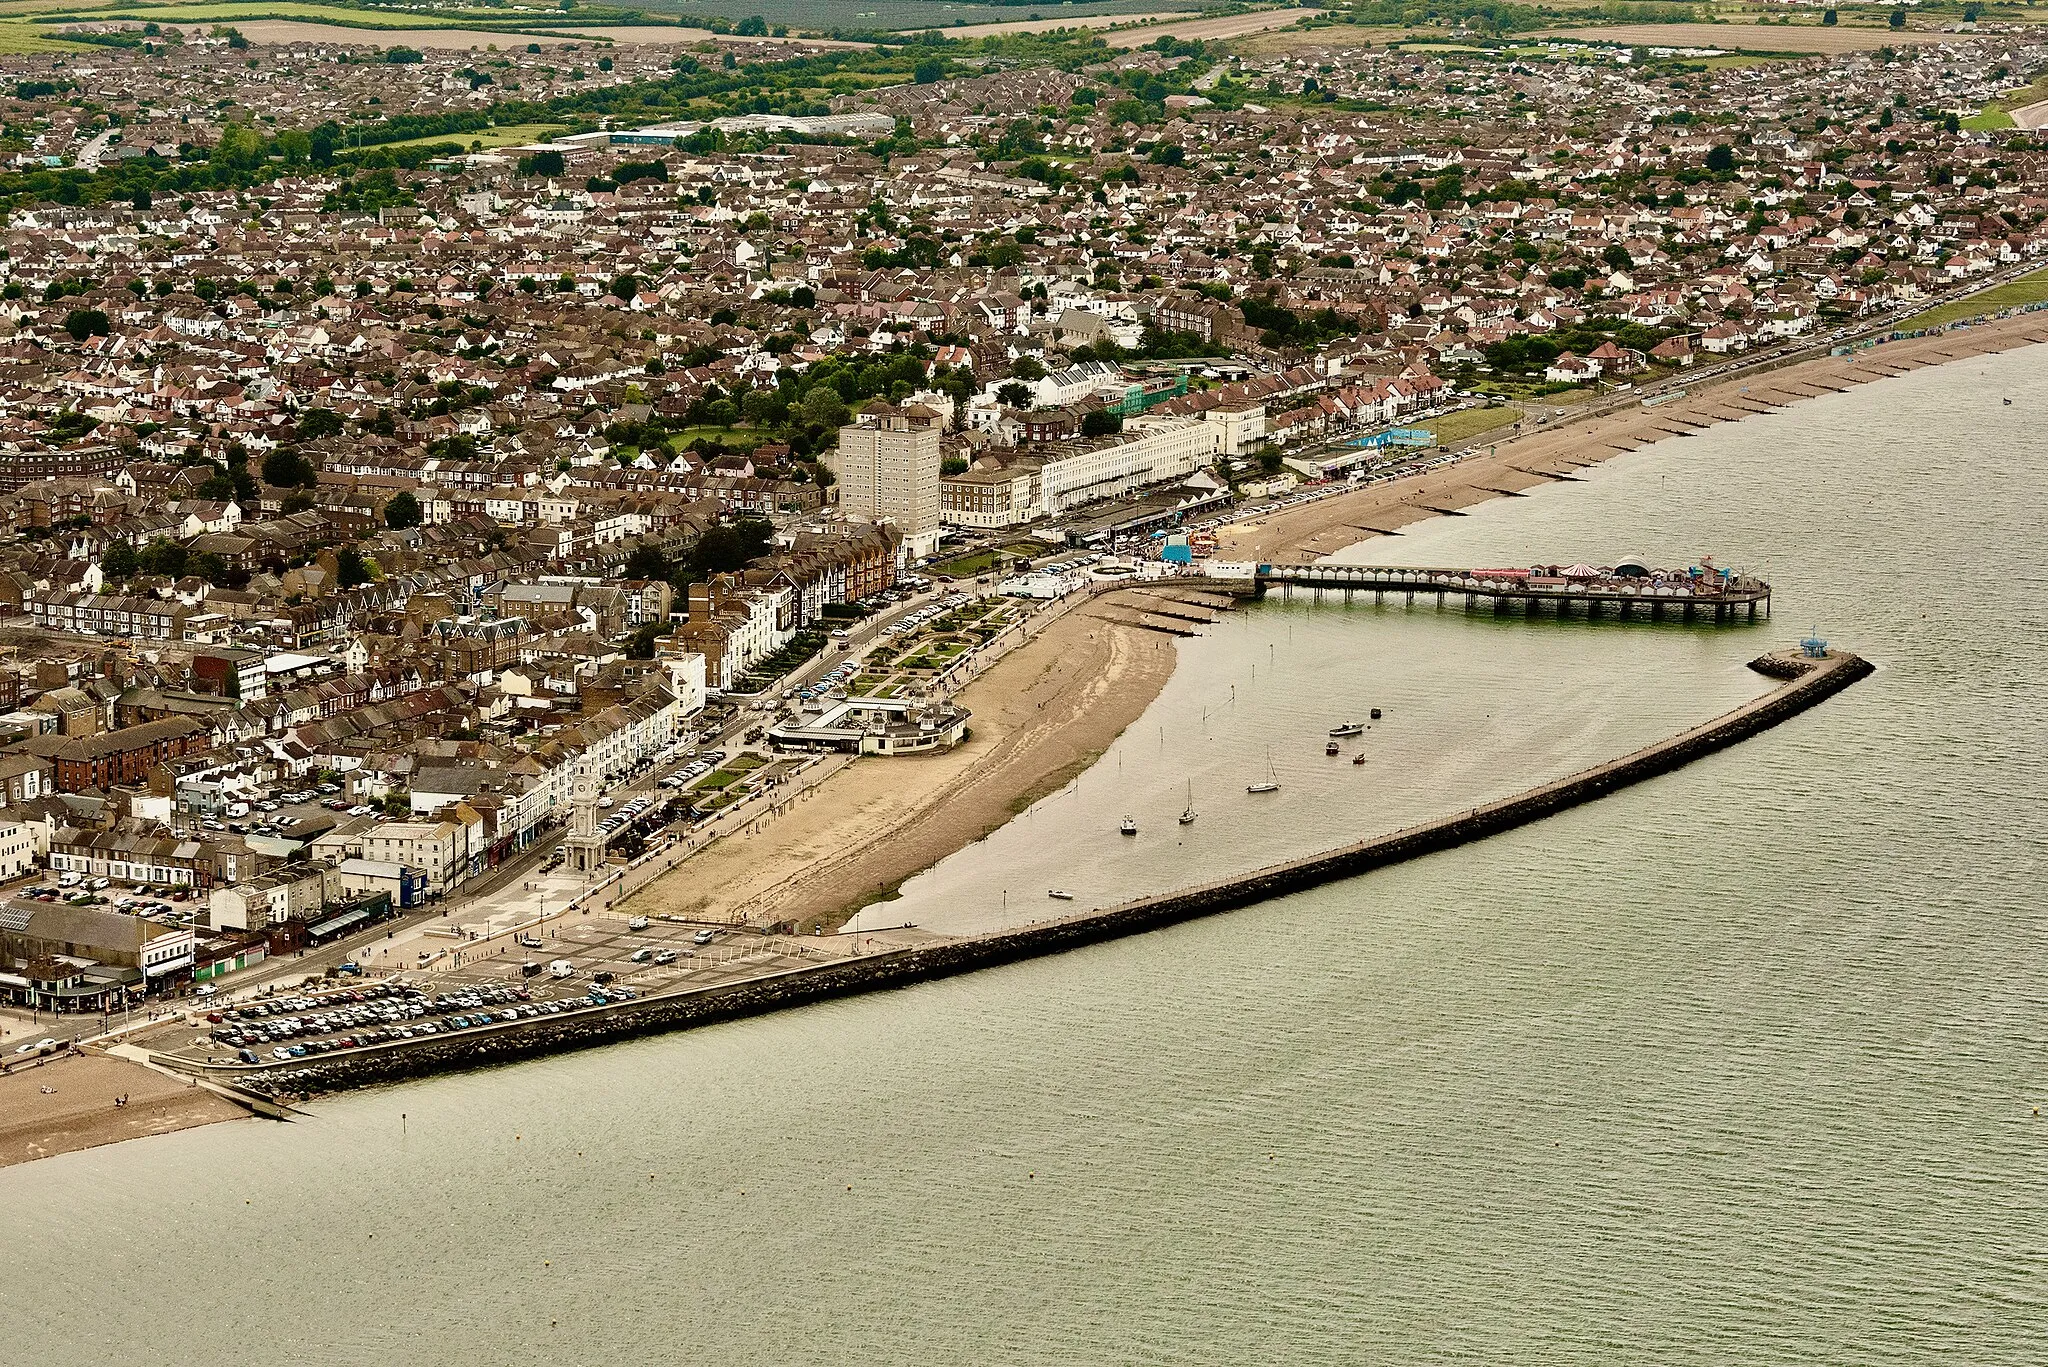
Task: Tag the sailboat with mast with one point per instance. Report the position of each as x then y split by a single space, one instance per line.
1187 817
1271 782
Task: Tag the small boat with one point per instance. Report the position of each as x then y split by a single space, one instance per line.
1375 714
1269 784
1358 758
1130 826
1332 748
1349 728
1187 816
1059 894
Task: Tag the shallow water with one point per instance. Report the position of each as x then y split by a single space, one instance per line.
1737 1065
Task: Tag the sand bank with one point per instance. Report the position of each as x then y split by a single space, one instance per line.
1041 715
78 1111
1512 462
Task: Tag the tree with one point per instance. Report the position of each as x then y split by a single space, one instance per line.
218 488
350 569
162 556
1829 18
84 323
625 286
1028 369
1616 256
285 468
647 562
753 26
822 407
1898 18
1101 422
402 511
1720 157
1011 394
119 562
316 423
641 646
928 71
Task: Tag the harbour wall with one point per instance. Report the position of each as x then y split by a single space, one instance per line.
1806 683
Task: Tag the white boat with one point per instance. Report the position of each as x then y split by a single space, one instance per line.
1059 894
1187 816
1262 787
1130 826
1349 728
1271 782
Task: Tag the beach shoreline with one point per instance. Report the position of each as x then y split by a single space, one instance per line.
1041 715
1515 462
67 1104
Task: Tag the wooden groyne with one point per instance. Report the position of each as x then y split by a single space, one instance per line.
1807 682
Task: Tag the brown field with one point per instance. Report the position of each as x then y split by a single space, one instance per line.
1048 25
283 31
663 35
1759 37
1228 26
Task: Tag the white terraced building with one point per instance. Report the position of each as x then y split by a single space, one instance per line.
1148 451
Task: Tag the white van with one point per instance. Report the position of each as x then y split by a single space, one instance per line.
637 923
562 968
236 809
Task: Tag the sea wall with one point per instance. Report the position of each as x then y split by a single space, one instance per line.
1808 682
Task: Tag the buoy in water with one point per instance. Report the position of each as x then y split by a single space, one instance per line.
1375 714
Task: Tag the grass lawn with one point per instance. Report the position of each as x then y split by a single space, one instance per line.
1989 121
511 135
966 566
729 436
717 780
2028 289
1470 422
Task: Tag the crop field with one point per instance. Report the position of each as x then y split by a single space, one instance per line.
232 11
1802 38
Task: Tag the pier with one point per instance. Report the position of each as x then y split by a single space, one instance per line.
1625 591
1807 679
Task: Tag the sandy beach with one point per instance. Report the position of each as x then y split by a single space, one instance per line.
78 1111
1511 463
1041 715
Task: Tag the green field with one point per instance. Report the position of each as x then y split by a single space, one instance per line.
511 135
2028 289
18 37
1470 422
